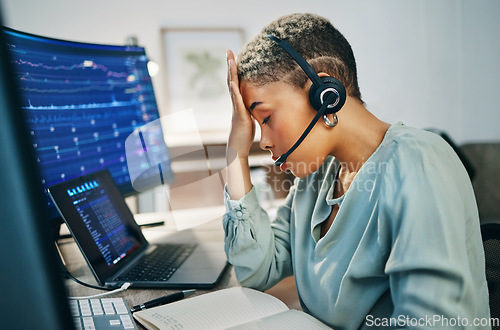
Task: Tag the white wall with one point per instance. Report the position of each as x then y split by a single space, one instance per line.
426 63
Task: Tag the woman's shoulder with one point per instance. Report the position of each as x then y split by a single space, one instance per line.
418 155
406 143
409 136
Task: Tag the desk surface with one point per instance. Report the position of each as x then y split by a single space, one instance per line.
208 232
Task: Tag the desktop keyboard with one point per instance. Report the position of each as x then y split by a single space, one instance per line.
104 313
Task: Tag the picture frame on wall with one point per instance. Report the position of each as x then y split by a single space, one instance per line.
196 75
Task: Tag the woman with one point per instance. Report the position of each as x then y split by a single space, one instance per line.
380 227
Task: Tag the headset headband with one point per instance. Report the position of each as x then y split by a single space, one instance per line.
299 59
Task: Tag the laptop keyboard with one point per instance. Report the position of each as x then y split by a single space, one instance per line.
158 265
104 313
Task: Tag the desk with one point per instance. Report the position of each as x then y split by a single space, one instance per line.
208 232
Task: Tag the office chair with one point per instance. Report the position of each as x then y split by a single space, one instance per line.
491 243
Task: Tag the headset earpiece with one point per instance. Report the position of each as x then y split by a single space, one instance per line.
317 95
321 86
323 89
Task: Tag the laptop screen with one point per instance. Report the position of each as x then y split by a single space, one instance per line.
102 220
99 220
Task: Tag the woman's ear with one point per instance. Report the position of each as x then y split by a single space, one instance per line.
309 83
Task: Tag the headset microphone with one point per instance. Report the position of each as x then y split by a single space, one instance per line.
318 115
327 94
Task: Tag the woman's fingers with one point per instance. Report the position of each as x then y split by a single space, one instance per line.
232 74
233 85
242 125
229 56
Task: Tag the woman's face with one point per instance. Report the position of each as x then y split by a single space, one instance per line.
283 113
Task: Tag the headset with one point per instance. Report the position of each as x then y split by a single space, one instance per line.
327 94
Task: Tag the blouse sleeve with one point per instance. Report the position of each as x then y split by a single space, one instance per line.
258 249
436 255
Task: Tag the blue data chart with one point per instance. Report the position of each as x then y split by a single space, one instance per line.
82 101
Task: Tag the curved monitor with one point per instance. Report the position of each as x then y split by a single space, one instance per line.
82 102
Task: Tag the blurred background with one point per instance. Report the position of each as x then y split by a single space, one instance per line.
429 64
426 63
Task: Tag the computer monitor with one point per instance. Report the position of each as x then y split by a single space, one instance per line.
32 289
82 101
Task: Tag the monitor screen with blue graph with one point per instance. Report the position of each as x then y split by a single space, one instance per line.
82 101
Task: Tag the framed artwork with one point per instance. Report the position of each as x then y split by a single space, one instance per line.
196 75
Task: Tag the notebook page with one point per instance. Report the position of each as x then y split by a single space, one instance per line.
287 320
216 310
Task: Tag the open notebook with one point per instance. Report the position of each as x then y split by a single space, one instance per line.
233 308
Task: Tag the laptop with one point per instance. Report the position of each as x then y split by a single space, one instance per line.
115 248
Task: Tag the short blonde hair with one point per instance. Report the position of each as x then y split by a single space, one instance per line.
262 61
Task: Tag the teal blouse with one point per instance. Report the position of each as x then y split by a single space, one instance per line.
404 250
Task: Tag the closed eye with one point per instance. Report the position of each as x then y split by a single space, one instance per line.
266 120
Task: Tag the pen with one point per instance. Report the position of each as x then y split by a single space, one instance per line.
162 300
